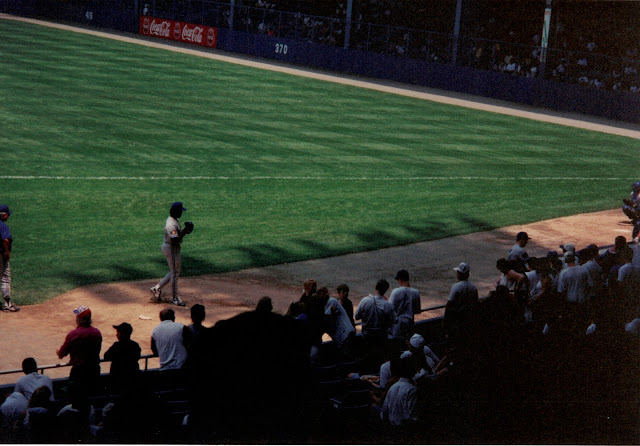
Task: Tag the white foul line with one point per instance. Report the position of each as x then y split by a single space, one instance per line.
303 178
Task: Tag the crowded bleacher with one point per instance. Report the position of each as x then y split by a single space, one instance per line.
594 44
549 356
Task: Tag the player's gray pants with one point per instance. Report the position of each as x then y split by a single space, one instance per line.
172 253
5 278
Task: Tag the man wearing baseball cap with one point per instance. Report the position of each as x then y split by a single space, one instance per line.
83 345
460 311
171 248
517 254
124 355
5 254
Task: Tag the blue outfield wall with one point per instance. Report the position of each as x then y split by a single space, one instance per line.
529 91
111 14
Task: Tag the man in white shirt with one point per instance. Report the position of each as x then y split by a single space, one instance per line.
340 328
400 403
168 341
376 313
575 282
628 278
32 379
406 303
517 254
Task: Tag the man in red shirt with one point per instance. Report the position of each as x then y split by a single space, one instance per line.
83 346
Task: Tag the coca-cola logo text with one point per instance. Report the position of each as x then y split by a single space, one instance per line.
192 34
180 31
160 29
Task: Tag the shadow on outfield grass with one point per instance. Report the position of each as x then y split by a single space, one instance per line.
265 254
262 254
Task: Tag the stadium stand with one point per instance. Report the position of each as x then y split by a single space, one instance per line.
541 370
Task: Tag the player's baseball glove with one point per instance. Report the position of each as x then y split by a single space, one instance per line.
627 202
188 227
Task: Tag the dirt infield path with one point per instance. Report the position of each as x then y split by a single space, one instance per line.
38 330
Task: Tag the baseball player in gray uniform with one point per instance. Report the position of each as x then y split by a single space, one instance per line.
171 246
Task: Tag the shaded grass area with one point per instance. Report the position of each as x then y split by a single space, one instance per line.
341 169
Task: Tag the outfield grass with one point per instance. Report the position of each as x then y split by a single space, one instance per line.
274 168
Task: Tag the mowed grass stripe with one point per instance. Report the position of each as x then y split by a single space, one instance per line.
292 151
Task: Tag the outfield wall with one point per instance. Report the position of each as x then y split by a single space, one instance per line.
490 84
123 16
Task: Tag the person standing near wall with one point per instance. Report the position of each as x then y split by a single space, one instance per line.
5 255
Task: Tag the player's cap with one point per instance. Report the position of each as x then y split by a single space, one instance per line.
416 341
462 268
570 257
552 254
176 205
4 209
403 274
82 311
124 328
636 185
522 236
568 247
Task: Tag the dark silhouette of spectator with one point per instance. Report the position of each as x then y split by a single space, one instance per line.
252 380
32 379
309 288
124 355
83 346
610 259
295 310
460 315
39 420
316 322
198 315
75 419
264 305
343 297
169 340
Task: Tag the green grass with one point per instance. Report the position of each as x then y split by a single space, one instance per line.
291 168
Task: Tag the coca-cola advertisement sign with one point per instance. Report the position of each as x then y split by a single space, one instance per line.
179 31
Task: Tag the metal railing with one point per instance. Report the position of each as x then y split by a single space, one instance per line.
41 369
146 358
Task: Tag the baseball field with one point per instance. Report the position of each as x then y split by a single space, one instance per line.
98 137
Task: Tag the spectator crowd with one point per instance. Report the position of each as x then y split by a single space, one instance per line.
533 334
589 43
